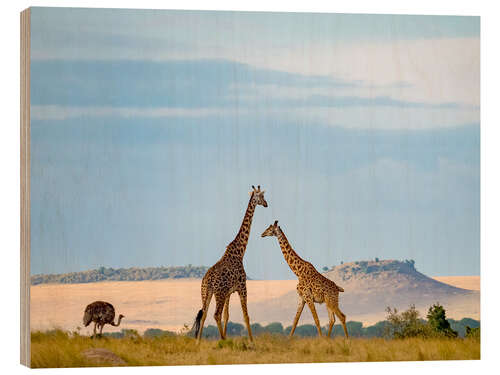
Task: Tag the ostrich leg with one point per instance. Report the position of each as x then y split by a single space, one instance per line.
95 330
100 329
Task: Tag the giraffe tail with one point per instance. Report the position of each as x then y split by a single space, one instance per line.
197 321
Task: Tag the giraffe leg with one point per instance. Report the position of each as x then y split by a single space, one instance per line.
310 303
243 299
297 315
341 316
226 314
206 303
219 305
331 315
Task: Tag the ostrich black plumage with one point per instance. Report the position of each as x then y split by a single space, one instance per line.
100 313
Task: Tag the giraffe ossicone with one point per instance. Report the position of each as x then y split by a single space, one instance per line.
312 287
228 275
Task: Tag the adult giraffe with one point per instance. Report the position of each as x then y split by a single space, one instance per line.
228 274
312 287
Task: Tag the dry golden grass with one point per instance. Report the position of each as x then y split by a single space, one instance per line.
59 349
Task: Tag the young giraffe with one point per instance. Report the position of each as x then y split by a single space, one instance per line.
312 287
228 275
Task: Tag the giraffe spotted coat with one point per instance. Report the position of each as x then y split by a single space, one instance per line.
228 275
312 287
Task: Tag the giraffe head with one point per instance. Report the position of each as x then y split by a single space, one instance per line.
258 196
272 230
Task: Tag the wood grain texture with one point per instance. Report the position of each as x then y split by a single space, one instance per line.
25 187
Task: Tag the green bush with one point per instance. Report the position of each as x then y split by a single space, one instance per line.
406 324
472 333
436 318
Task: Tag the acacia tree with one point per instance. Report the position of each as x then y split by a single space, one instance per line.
436 318
405 324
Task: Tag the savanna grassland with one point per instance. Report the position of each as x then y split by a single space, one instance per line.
61 349
158 314
171 303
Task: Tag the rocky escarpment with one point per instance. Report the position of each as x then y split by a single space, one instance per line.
371 286
389 276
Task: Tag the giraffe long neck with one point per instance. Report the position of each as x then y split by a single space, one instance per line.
239 244
292 258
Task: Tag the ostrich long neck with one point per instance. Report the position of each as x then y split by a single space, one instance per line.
119 320
291 257
239 244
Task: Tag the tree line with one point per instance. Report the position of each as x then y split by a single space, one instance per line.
397 325
121 274
189 271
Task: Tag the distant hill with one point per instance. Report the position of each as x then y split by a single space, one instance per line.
366 277
121 274
371 286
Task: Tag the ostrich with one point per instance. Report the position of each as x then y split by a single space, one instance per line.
100 313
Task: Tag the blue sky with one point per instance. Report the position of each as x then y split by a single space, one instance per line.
148 128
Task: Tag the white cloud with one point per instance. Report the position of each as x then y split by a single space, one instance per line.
371 50
390 118
435 70
355 117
